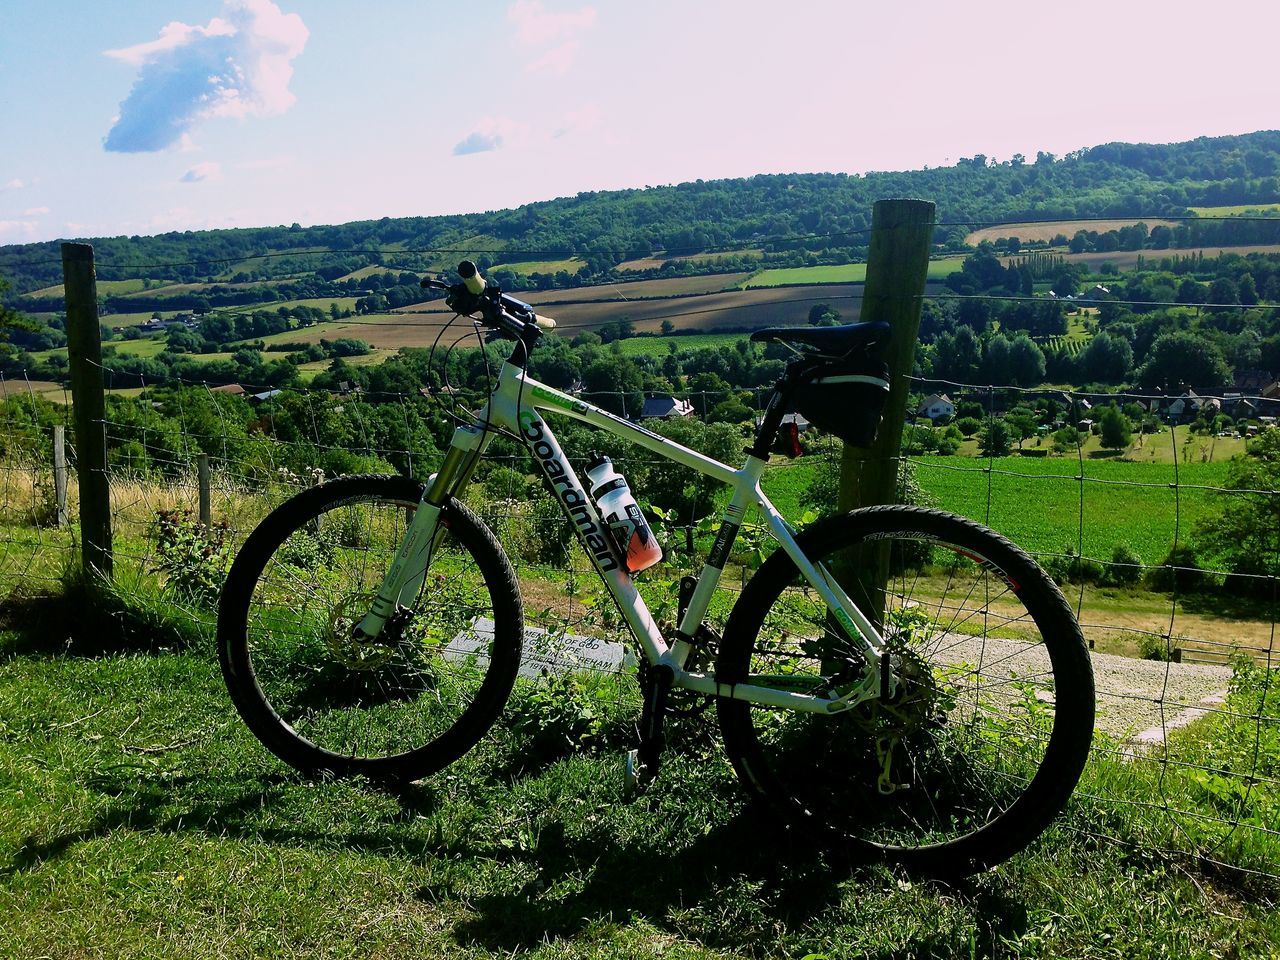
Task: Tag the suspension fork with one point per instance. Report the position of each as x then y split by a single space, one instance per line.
408 571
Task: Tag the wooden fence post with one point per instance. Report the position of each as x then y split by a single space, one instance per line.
206 514
897 269
84 350
60 473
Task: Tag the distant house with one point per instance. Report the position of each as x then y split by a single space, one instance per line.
665 407
265 395
232 388
1253 382
935 406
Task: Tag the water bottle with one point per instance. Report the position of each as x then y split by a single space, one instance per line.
622 515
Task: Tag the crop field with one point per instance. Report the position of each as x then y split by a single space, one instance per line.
308 371
372 270
527 267
658 346
1235 211
104 287
840 273
1036 502
1048 230
656 261
324 303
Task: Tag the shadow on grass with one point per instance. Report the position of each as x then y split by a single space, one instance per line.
736 885
160 807
89 619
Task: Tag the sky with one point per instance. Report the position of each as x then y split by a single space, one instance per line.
136 117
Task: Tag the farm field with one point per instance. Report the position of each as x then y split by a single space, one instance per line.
136 285
654 262
308 371
1047 230
840 273
1128 259
1036 502
1234 211
658 346
527 267
323 303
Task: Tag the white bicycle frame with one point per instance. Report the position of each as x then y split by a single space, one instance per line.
515 406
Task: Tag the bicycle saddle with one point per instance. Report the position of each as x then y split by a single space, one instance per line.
838 341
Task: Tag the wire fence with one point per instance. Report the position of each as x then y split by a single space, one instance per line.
1184 643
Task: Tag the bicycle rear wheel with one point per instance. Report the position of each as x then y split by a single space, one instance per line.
404 705
988 731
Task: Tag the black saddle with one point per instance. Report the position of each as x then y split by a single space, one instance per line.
834 342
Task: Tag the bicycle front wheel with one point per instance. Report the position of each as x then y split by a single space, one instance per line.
988 730
403 705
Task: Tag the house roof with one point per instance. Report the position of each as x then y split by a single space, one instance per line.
665 406
232 388
932 399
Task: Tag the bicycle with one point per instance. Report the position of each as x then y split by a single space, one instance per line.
895 681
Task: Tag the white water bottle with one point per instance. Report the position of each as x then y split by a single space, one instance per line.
622 515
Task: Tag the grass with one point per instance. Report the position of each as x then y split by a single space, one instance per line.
324 303
1141 516
106 287
839 273
1233 211
527 267
657 346
139 818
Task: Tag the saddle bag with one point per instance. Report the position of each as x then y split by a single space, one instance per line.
845 398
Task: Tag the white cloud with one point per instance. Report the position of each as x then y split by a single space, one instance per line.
14 184
18 228
492 133
203 171
538 28
237 65
477 142
35 212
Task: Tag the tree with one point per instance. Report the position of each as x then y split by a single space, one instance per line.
968 425
1245 534
823 315
1116 430
993 441
668 328
1107 359
1066 439
1179 360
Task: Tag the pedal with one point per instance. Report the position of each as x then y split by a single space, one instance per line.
633 779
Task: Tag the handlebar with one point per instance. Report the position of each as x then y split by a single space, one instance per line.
498 310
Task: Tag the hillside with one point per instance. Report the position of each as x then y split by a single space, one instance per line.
784 219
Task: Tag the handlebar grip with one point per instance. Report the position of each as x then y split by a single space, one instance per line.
546 323
471 278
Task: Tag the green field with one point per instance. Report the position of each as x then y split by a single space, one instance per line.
1037 502
840 273
527 267
657 346
105 287
344 303
1235 211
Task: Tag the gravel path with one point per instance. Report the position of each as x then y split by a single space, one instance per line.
1137 699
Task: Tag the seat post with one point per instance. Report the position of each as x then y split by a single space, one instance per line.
774 411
